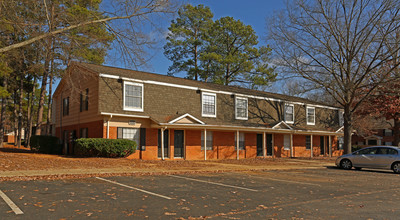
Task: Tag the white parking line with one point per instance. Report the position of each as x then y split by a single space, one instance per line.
289 181
137 189
219 184
10 203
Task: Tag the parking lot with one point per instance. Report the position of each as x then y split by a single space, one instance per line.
327 193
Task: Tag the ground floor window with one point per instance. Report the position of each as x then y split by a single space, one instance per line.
129 133
308 142
286 142
209 140
372 142
388 143
241 141
84 132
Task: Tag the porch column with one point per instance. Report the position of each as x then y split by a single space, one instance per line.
330 146
205 144
108 127
311 153
291 145
162 143
237 145
264 144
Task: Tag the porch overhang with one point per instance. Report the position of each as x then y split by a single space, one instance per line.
244 128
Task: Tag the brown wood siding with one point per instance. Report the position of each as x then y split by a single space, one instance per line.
72 86
165 103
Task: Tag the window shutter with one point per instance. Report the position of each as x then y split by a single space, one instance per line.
87 100
120 133
142 139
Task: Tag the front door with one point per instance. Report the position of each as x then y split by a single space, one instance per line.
178 143
166 141
322 144
259 145
269 144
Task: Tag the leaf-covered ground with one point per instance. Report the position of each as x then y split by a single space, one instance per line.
22 164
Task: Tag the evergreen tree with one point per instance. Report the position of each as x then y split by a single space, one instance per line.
185 40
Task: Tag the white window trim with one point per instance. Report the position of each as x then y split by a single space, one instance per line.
131 108
310 123
287 121
215 105
247 108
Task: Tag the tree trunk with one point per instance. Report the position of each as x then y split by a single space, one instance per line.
396 130
50 99
43 91
348 127
21 90
2 114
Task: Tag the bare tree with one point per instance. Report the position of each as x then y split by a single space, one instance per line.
340 45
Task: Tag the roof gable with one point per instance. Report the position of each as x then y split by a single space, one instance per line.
282 125
186 119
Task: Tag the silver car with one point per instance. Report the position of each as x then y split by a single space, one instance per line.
377 157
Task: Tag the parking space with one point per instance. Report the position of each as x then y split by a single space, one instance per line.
308 194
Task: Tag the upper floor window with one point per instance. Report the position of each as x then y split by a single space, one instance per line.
208 105
241 108
289 113
310 111
341 119
84 100
133 96
65 108
387 132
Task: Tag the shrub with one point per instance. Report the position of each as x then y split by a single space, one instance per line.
46 144
99 147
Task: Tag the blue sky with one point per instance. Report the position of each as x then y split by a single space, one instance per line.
250 12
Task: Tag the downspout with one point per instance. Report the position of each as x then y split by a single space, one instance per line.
108 126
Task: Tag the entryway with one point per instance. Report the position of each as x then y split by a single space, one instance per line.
178 143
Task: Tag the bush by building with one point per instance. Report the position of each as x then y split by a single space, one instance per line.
99 147
45 144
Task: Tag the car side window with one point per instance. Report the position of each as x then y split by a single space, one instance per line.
367 151
383 150
392 151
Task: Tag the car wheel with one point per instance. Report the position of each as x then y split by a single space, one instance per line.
396 167
357 168
346 164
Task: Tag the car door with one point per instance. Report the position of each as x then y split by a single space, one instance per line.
365 157
385 157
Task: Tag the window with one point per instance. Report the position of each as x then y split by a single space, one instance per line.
84 132
387 132
241 141
133 96
308 142
129 133
241 108
388 143
208 106
209 140
341 120
367 151
310 111
286 142
289 113
372 142
66 106
84 100
341 143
